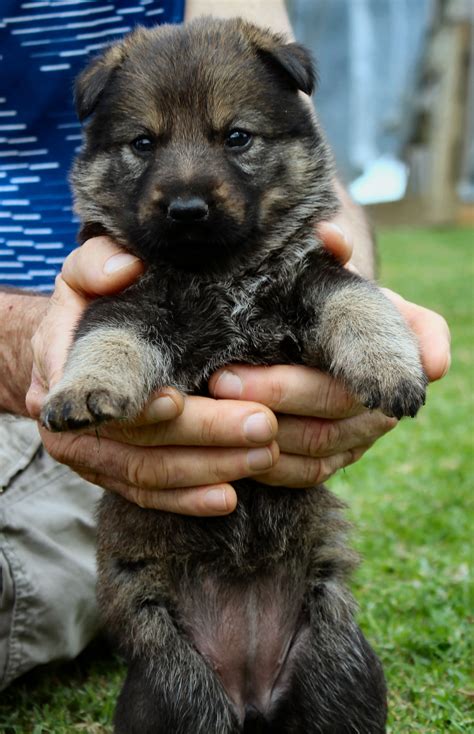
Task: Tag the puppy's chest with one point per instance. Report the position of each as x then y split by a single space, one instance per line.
255 322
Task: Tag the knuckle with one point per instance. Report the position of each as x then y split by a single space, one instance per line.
138 496
326 470
277 393
180 502
313 472
65 449
318 436
147 474
209 429
171 500
214 473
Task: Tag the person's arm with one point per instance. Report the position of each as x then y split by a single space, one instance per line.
267 13
20 316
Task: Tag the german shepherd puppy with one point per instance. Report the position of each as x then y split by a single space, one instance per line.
202 158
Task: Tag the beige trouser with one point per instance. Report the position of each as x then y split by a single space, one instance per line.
47 555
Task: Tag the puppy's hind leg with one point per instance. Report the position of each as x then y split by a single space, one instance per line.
170 689
338 685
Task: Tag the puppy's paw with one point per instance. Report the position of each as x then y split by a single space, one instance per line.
396 396
372 350
76 407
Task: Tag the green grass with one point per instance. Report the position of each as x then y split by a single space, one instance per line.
410 499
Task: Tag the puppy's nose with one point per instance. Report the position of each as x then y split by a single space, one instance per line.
192 209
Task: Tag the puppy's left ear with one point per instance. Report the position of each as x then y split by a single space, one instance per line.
91 83
291 60
296 63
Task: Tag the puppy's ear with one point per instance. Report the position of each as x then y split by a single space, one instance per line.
297 65
291 60
92 81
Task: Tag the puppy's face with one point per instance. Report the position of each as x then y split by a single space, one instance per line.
198 146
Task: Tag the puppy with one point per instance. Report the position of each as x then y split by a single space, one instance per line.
201 157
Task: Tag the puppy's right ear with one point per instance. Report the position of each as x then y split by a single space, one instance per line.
92 81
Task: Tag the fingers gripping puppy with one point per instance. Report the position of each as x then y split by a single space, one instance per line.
201 158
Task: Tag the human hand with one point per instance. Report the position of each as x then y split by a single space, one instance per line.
321 427
181 465
152 470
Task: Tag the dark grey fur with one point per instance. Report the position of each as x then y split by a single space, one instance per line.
238 623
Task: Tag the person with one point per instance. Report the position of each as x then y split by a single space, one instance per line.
183 452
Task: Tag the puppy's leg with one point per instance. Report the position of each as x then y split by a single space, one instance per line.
362 339
169 687
338 685
109 374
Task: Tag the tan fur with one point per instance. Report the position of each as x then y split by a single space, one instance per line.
114 387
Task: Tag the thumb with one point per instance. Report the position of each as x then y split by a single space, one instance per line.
335 241
100 267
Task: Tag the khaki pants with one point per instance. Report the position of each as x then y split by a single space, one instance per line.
47 554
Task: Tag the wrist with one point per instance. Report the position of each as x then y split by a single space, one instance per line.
20 315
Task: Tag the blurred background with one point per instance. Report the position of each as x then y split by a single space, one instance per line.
396 98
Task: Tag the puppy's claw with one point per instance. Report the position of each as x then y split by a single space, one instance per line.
405 400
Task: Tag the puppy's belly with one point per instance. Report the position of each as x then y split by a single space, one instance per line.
250 635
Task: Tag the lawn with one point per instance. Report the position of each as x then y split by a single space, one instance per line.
411 501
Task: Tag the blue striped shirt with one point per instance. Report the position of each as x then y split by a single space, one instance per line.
43 46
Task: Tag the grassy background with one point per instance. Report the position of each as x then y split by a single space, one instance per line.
411 501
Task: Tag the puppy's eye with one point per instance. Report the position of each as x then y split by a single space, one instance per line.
142 144
239 139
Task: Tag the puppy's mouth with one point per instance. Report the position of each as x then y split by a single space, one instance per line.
201 245
194 248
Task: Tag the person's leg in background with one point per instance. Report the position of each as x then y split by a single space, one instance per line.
47 554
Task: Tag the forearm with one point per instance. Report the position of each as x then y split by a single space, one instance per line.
20 315
268 13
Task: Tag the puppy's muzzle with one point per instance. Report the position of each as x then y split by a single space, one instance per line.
188 209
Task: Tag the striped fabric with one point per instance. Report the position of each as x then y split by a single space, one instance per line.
43 46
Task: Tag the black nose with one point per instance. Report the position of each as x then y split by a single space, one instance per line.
191 209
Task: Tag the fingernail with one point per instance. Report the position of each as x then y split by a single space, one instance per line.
117 262
258 428
229 385
162 409
259 459
215 499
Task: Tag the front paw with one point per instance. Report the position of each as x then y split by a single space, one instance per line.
395 394
83 406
